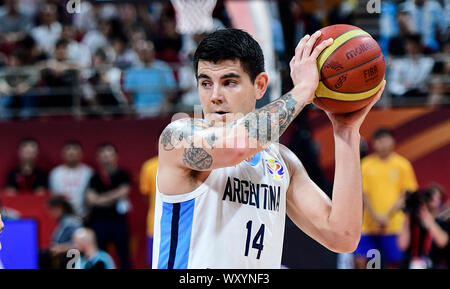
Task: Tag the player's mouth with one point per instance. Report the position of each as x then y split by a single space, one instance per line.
221 114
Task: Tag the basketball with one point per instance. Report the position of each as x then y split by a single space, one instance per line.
351 69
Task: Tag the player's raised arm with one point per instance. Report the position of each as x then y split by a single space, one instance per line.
196 144
335 223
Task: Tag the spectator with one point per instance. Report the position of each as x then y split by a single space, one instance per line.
107 197
15 86
55 256
14 23
429 21
405 28
151 84
71 178
186 77
409 75
385 178
76 51
388 24
48 33
103 38
27 178
92 258
98 38
103 90
147 185
167 41
439 82
124 57
424 235
61 75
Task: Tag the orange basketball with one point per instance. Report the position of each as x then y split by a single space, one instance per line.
351 69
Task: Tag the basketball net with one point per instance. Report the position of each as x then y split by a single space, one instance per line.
194 16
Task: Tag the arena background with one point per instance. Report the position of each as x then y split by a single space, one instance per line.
421 122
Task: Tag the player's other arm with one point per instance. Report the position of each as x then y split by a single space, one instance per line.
193 144
335 223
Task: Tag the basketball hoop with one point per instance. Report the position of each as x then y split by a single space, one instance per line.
194 16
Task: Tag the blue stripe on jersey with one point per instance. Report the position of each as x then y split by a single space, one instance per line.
175 240
255 160
174 235
184 234
166 225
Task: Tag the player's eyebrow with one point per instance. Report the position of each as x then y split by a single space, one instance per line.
202 75
230 75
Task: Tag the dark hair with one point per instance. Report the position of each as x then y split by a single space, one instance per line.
383 132
61 42
434 187
230 44
105 145
100 53
62 202
28 140
72 143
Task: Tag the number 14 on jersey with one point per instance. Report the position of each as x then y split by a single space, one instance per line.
258 239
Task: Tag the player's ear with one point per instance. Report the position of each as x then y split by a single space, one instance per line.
260 84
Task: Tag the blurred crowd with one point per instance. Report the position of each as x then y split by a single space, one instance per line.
414 34
108 59
129 58
80 196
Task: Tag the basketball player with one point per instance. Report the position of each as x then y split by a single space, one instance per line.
224 185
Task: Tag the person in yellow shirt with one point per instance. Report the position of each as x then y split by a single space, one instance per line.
147 184
386 176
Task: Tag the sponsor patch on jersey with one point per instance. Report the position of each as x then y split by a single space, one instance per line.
275 168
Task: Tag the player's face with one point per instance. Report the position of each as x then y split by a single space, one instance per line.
226 90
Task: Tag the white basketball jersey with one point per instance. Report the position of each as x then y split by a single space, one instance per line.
235 219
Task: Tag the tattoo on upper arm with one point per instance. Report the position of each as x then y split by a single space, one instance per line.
175 133
169 140
197 158
194 156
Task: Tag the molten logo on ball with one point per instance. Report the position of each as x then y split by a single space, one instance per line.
359 50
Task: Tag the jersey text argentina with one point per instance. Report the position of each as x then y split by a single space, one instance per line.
235 219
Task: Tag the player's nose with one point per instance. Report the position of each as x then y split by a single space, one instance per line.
216 96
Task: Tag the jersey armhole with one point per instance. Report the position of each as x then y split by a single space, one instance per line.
186 196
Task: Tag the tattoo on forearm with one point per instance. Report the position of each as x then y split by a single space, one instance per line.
268 123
